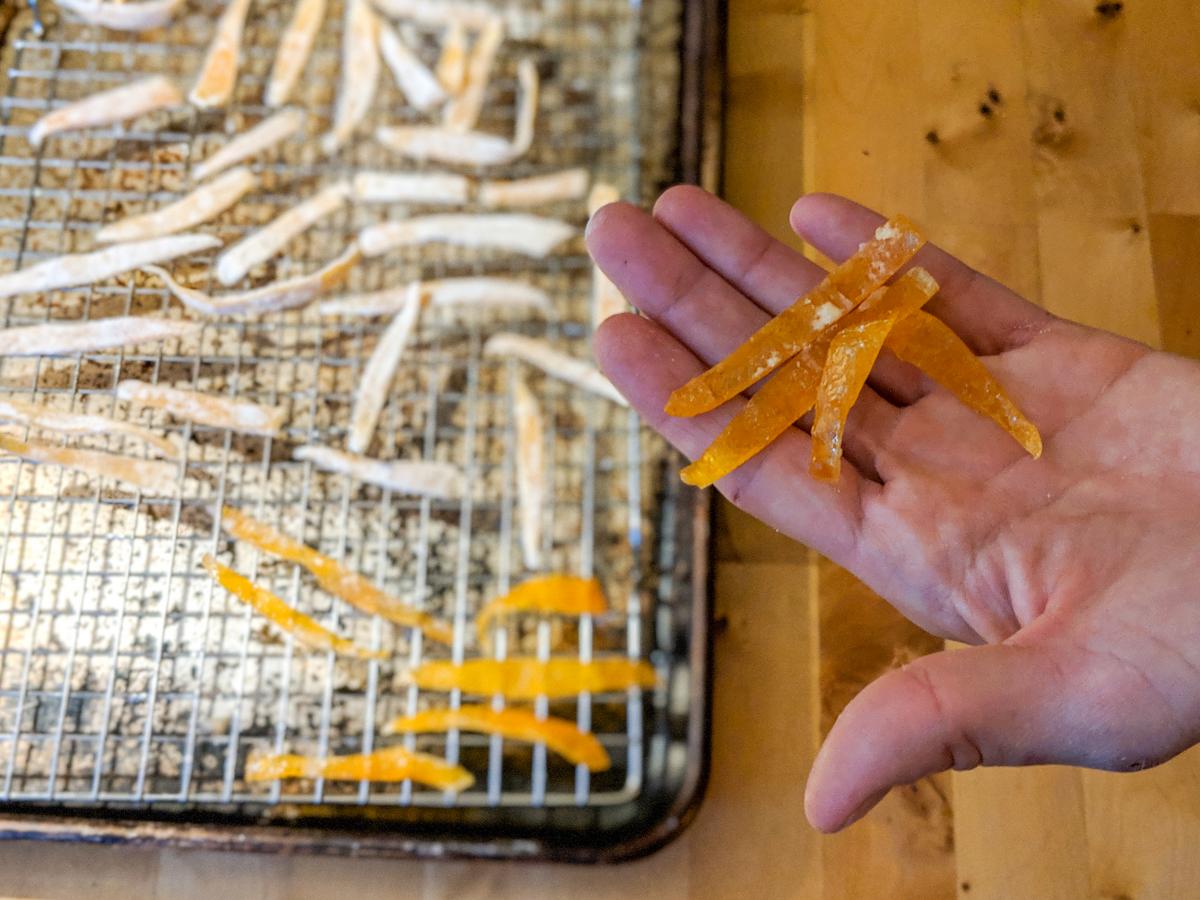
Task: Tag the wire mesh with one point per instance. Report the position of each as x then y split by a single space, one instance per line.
127 679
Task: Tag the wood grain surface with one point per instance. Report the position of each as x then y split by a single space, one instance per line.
1064 164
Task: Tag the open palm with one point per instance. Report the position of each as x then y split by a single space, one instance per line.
1080 570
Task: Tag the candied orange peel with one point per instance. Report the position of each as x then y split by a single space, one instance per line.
391 764
928 343
895 243
565 595
824 347
303 628
793 390
852 354
333 576
562 736
525 678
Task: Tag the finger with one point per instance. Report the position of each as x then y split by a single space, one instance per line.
767 271
998 705
987 315
646 364
665 280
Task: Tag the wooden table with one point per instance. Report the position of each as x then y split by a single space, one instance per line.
1066 165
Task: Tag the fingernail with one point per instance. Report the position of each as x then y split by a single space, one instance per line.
863 808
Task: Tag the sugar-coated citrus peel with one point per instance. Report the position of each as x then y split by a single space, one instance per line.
793 391
304 629
929 344
566 595
852 354
561 735
332 576
895 243
392 764
525 678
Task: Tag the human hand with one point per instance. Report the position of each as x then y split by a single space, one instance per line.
1079 571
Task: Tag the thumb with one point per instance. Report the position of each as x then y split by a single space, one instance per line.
991 705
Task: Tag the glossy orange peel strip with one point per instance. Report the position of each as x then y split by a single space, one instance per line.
332 576
391 764
852 354
793 391
561 735
565 595
303 628
926 342
895 243
526 678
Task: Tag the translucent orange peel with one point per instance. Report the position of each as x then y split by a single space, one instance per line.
332 576
562 736
926 342
303 628
524 678
895 243
852 355
390 765
793 390
565 595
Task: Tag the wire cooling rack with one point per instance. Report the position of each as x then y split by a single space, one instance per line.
128 682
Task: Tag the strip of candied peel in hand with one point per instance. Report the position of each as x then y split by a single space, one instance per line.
391 764
926 342
895 243
218 73
526 678
793 391
303 628
562 736
332 576
852 354
565 595
150 475
201 205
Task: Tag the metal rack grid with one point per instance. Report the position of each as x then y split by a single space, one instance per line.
126 678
